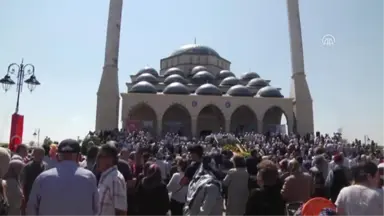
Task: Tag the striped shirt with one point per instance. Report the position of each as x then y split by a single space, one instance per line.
112 192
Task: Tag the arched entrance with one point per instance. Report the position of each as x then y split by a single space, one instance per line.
142 117
243 119
275 121
177 119
210 120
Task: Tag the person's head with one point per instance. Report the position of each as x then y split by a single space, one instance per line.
107 157
293 166
52 150
5 158
14 170
182 165
238 161
196 152
338 159
46 149
92 153
68 150
381 174
124 154
38 154
267 174
366 173
284 165
152 177
22 150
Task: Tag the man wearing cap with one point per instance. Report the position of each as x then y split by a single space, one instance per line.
66 189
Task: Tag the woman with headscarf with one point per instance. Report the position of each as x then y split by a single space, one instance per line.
5 158
14 188
152 194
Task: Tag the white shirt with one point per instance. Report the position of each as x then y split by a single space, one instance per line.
360 200
164 168
179 193
112 192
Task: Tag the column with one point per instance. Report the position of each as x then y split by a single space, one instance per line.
260 126
194 126
228 125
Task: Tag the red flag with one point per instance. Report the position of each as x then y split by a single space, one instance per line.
16 136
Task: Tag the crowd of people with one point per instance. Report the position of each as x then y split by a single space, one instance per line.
134 173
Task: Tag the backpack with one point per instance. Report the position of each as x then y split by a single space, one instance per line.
4 205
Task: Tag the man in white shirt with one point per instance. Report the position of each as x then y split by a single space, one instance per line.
112 186
361 198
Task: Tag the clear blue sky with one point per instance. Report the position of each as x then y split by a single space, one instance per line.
65 40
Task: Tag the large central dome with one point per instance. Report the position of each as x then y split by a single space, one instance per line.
196 50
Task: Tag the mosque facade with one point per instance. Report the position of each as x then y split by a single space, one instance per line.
194 92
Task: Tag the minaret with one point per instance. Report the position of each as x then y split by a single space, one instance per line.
302 100
108 98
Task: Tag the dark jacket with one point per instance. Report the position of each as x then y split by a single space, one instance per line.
265 201
152 200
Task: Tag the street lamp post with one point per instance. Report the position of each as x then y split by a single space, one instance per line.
24 73
37 133
20 71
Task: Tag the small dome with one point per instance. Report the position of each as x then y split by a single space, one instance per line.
147 77
175 78
176 88
257 82
229 81
208 89
172 71
250 75
143 87
198 69
225 73
147 69
239 91
195 49
203 77
269 91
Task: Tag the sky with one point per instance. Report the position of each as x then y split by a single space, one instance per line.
65 41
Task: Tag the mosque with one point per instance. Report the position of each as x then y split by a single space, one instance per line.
195 92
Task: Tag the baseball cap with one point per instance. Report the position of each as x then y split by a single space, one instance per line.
68 146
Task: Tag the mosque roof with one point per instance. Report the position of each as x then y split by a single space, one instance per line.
147 77
229 81
249 75
257 82
224 74
208 89
239 90
174 70
196 50
203 77
269 91
176 88
175 78
198 69
143 87
147 69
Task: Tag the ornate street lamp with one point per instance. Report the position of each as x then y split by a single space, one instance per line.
21 71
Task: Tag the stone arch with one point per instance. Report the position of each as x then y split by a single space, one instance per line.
273 118
177 119
243 119
142 116
210 120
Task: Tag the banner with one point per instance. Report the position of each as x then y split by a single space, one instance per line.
16 136
133 125
277 129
